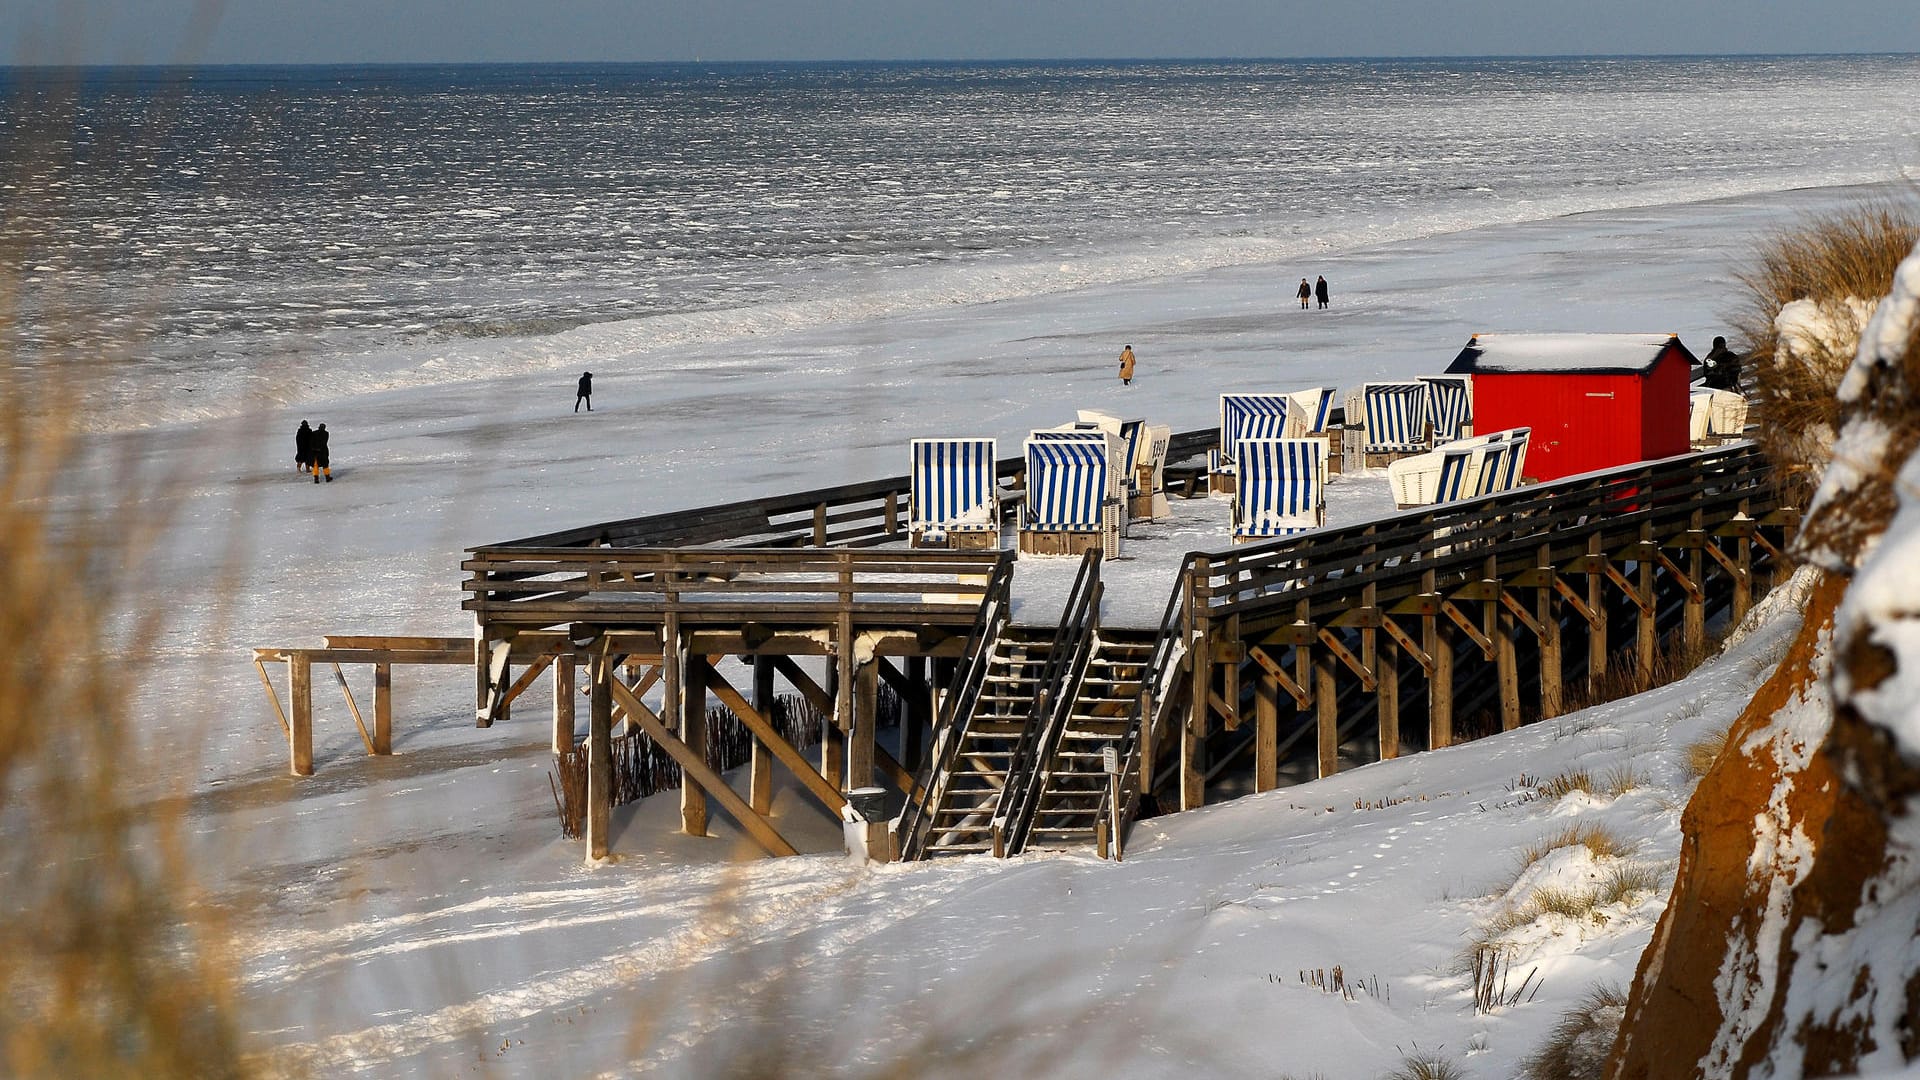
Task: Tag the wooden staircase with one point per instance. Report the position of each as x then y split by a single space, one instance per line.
967 800
1075 780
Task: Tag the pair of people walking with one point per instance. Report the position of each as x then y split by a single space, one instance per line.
310 453
1318 290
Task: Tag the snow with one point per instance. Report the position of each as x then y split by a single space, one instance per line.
414 914
1570 353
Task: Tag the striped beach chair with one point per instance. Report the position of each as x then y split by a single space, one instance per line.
1308 412
951 495
1449 406
1246 416
1074 497
1282 487
1395 416
1133 443
1516 460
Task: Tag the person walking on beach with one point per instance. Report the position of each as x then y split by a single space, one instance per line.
321 462
1305 294
1319 290
1722 367
584 392
1126 365
302 447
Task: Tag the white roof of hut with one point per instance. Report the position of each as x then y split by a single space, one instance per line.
1565 353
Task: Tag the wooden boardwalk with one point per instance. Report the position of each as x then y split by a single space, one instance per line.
1336 643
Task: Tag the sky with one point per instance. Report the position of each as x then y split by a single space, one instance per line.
381 31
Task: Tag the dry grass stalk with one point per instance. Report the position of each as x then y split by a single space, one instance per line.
1841 263
1580 1043
1700 754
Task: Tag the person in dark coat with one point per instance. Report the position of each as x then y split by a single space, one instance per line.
1320 291
302 447
1722 367
321 462
584 392
1305 294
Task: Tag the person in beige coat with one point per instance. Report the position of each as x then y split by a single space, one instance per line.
1126 366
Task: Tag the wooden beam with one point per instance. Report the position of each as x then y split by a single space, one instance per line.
797 677
1467 627
273 696
1387 673
1328 720
1599 648
860 741
760 767
383 709
601 679
1439 684
695 772
1406 643
1518 610
1266 730
1507 667
1354 664
341 678
761 724
300 695
1632 591
1547 620
563 704
526 678
1574 601
1301 698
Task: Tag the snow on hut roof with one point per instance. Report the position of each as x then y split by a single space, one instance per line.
1564 353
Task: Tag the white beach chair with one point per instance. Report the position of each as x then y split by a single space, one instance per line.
1418 480
1726 414
1282 487
1699 416
952 500
1308 412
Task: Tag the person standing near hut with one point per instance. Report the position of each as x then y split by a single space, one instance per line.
584 392
1722 367
302 447
322 463
1126 365
1305 294
1319 290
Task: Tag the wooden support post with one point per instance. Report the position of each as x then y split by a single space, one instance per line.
1507 665
563 692
866 698
383 709
693 732
1386 676
1647 632
917 714
1742 577
482 674
760 768
1266 733
600 675
1193 777
300 697
1597 637
1438 645
1327 704
1547 615
1694 622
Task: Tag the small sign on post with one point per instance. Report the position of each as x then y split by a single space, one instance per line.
1110 759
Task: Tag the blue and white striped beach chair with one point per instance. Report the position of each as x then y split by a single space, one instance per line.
1396 415
1455 463
1449 405
1487 469
1282 487
1308 412
1069 479
951 491
1246 416
1510 472
1133 443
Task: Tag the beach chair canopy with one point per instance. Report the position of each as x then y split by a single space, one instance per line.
1517 442
1456 462
1395 417
1133 439
1249 416
1281 487
1717 412
1308 411
951 487
1069 478
1699 415
1449 405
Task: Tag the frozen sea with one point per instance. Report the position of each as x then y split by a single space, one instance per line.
778 276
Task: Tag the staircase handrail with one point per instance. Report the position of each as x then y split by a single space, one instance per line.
1055 692
957 707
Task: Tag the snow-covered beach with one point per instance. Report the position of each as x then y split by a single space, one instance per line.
421 913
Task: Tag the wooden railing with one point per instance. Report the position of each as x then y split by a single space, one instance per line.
1152 711
1054 696
957 707
849 515
549 586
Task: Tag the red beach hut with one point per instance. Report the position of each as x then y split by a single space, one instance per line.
1594 401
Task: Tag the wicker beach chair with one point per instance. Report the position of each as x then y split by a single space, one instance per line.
1282 487
952 500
